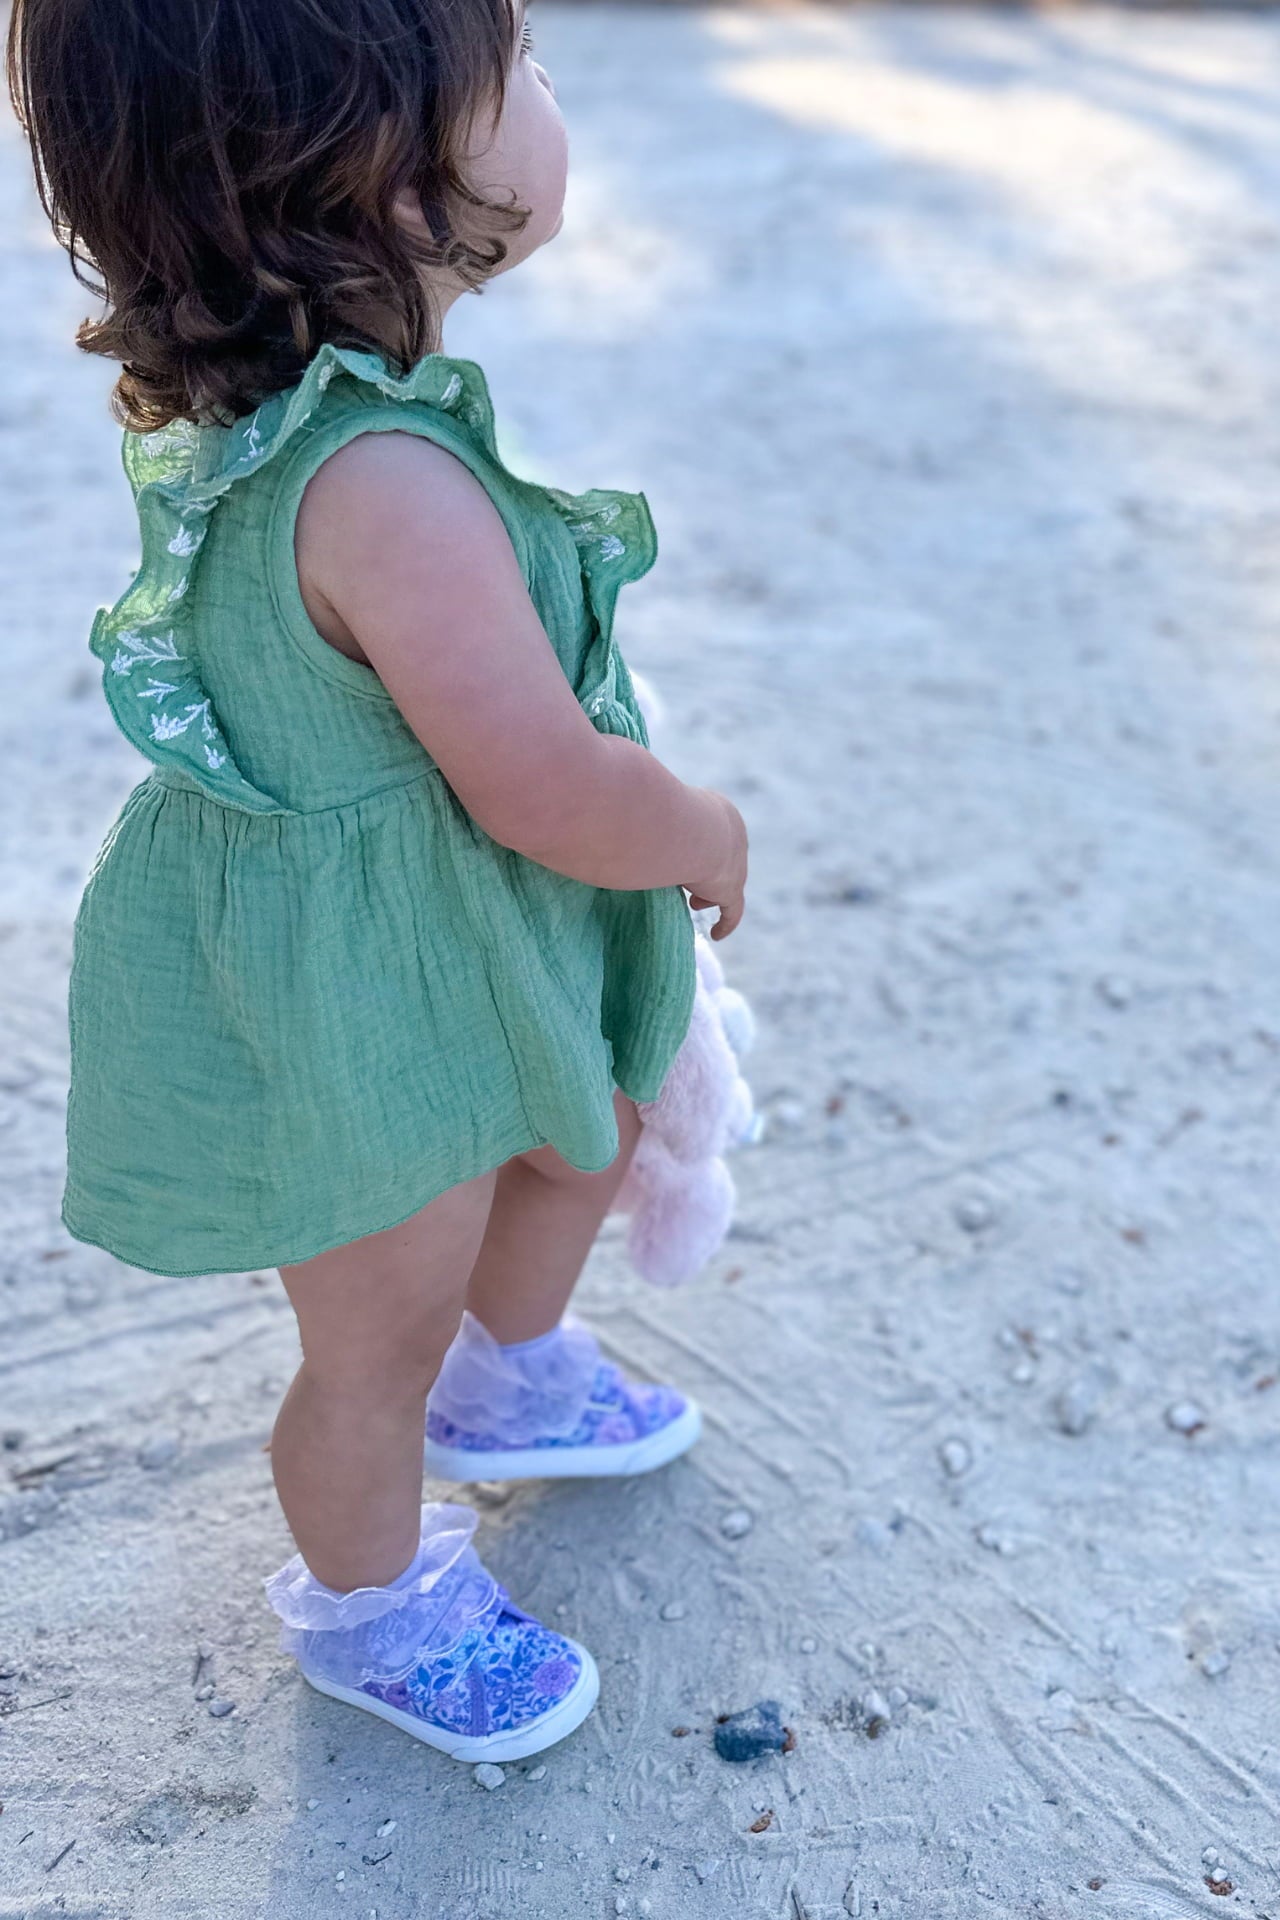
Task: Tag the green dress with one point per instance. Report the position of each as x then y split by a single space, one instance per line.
308 993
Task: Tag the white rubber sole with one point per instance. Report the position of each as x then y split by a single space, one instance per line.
533 1737
568 1463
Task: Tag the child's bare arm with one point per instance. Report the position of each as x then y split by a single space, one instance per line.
404 562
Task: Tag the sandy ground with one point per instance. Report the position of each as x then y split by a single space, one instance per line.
944 346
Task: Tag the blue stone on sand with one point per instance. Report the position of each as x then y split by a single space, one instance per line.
756 1730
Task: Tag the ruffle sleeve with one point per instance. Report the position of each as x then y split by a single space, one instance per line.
180 473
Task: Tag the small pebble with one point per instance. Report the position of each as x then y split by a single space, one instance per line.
221 1708
788 1113
1211 1856
621 1904
736 1523
312 1805
537 1773
1076 1405
706 1868
956 1457
874 1706
340 1877
1184 1416
1215 1663
1022 1372
1115 990
388 1826
898 1698
622 1874
673 1610
206 1691
808 1644
489 1776
159 1450
1062 1712
974 1213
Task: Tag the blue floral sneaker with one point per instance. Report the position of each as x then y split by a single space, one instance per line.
550 1408
443 1653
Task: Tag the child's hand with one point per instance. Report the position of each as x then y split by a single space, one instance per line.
725 885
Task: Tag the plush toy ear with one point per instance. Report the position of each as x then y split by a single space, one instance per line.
688 1115
681 1223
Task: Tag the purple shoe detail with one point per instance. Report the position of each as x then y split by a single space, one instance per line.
493 1681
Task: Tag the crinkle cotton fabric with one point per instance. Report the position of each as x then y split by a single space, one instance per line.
308 992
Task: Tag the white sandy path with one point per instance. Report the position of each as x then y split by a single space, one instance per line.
944 346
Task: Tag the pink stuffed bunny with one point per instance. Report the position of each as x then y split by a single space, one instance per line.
678 1190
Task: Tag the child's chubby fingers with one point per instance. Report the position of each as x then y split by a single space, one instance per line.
730 916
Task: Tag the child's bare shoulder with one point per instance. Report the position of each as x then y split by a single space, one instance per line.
383 483
393 505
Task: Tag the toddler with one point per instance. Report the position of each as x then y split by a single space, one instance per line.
379 959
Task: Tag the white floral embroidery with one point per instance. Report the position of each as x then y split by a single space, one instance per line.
600 517
325 375
611 548
167 726
474 415
134 648
180 589
157 690
452 391
186 541
214 758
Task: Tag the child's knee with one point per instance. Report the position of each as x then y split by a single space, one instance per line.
381 1349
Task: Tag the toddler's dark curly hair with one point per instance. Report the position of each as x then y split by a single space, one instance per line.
223 174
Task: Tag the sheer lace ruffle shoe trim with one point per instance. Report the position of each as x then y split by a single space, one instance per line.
381 1634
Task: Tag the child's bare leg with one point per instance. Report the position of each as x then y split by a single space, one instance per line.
544 1218
376 1318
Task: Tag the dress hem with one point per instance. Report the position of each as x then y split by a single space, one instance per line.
344 1240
